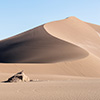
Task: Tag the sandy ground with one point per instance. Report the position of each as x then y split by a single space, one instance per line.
76 89
61 57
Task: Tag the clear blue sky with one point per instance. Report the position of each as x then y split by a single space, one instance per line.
17 16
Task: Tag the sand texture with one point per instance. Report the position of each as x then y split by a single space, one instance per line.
61 57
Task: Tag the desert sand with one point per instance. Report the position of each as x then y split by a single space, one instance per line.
61 57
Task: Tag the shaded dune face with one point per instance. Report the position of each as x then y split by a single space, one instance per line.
37 46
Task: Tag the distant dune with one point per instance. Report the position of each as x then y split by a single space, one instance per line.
64 52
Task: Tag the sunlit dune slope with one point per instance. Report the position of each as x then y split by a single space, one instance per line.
77 32
96 27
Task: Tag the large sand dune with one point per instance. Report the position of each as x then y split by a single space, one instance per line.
61 56
38 46
69 46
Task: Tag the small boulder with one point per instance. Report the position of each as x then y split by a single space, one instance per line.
19 77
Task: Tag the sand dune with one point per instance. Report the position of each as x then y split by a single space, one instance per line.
71 43
38 46
62 57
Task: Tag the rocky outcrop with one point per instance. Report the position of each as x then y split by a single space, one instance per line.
19 77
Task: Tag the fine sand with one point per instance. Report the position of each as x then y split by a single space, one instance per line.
61 57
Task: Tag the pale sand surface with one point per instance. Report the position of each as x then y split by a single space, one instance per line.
52 90
61 57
